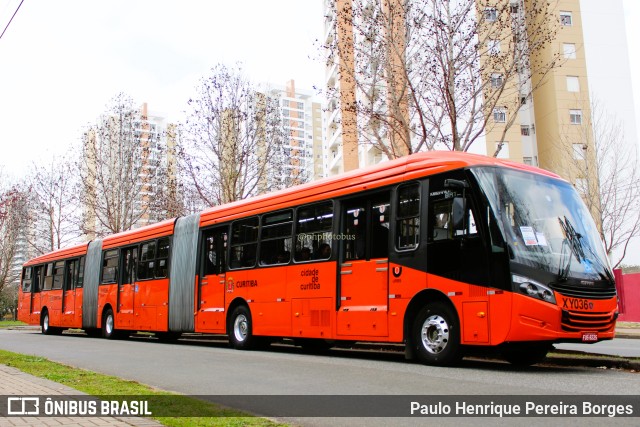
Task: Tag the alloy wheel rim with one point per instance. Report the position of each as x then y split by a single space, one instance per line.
435 334
109 324
241 327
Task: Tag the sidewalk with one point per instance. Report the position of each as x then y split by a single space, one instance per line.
14 382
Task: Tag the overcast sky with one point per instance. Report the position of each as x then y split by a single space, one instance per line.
62 61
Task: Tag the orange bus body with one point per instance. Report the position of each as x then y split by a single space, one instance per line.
358 299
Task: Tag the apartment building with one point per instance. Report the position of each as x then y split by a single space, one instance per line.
302 123
133 155
552 108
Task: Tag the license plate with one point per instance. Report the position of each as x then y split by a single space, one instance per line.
589 336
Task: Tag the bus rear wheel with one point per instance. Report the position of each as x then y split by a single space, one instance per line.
240 329
436 335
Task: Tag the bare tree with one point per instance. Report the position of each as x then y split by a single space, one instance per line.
54 205
13 219
122 172
608 178
232 140
430 73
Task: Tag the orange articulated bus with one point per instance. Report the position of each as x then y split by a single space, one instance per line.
441 251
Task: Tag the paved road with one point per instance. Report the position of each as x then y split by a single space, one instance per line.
213 369
617 347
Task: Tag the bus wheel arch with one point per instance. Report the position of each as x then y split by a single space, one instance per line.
432 329
240 325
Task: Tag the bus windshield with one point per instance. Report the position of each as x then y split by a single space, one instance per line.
545 224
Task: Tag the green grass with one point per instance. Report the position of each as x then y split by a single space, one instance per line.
96 384
8 323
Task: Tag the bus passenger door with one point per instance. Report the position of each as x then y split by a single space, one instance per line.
34 300
211 284
364 279
24 304
127 287
69 292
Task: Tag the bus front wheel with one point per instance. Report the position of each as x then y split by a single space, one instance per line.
240 329
47 329
436 335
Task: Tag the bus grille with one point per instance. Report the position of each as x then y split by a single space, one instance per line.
581 292
574 321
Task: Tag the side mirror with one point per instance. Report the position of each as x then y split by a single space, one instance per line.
458 210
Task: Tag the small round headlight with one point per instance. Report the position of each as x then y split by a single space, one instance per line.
529 288
547 295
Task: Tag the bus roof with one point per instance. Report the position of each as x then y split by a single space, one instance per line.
70 252
385 173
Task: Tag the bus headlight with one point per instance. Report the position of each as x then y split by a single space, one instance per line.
533 289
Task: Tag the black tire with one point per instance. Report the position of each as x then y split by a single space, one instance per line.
240 329
435 335
108 325
525 354
168 336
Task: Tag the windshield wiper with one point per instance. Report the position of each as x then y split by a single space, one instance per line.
572 239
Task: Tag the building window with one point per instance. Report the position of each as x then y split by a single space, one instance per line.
527 161
496 80
566 19
573 84
575 117
579 151
569 50
523 100
504 150
494 47
490 14
524 130
500 114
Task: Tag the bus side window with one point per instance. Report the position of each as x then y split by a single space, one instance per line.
147 261
441 220
79 278
26 279
215 250
408 217
162 264
58 275
313 232
48 277
36 284
244 242
275 238
70 271
110 266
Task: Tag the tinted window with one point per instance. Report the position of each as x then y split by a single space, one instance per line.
275 241
314 225
408 217
110 266
244 236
